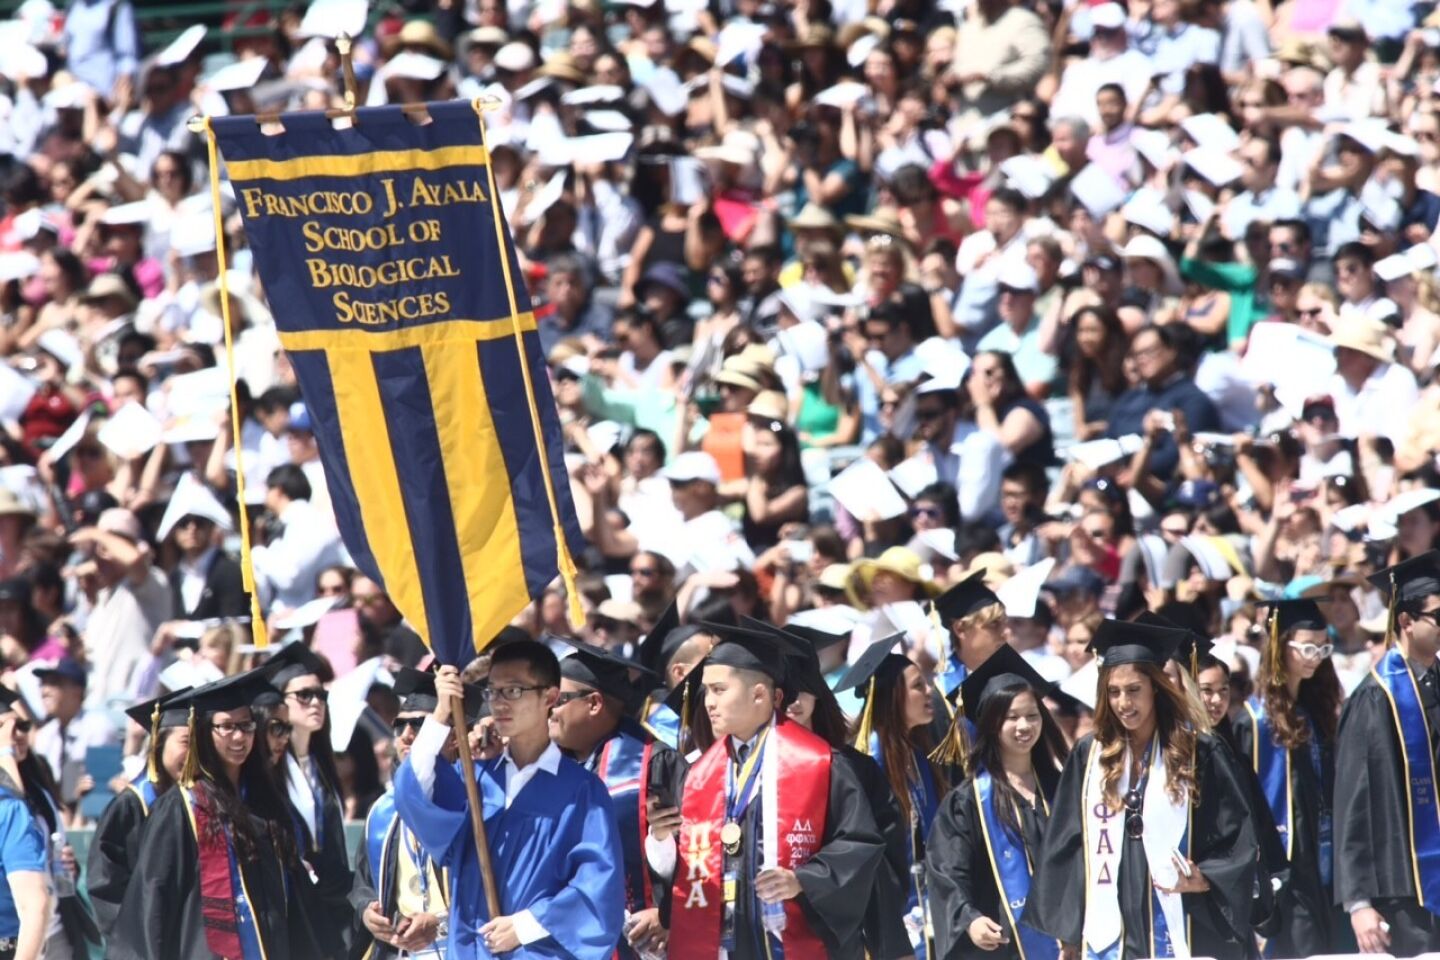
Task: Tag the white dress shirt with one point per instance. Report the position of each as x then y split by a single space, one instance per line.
286 567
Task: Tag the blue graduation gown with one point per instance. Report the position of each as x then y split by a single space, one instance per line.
556 852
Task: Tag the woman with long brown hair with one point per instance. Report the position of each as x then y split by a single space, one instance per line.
1287 733
987 837
1150 851
894 729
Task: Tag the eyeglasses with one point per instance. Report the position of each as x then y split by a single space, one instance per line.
23 726
1313 651
366 600
511 693
279 728
401 724
644 572
1432 615
229 729
1137 352
1134 822
185 523
572 695
929 513
309 695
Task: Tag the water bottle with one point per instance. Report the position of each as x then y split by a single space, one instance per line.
60 874
772 917
646 953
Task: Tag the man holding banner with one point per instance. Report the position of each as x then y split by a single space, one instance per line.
1387 811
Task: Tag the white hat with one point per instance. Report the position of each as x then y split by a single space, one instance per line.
1379 208
20 265
28 225
1215 165
1422 257
602 147
611 121
330 18
413 66
1210 130
693 465
240 75
602 93
1394 267
193 234
858 51
1018 275
1146 247
515 56
1146 208
70 96
62 346
192 499
1098 192
129 214
1402 145
1107 16
181 47
25 61
1369 134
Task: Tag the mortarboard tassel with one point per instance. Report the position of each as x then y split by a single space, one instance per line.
954 750
867 720
1390 612
152 762
684 716
191 771
1274 657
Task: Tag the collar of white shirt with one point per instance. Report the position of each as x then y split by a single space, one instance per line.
516 776
200 567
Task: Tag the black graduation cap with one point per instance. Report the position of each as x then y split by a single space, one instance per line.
966 597
1006 668
295 660
650 651
605 671
227 693
802 668
170 716
1412 579
416 690
876 657
1119 642
747 648
676 698
1196 644
268 697
1295 615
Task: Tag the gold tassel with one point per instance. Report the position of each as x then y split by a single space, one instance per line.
191 771
867 720
684 716
1275 657
152 763
1390 612
954 750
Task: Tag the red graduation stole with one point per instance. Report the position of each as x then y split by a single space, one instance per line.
803 788
217 893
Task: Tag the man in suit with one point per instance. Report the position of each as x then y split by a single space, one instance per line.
205 583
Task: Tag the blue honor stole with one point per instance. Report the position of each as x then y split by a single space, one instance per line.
145 791
621 766
1272 764
662 723
380 827
1417 753
1011 866
247 930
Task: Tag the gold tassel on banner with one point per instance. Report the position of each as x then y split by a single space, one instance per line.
1390 612
867 720
247 569
152 763
564 561
191 771
954 750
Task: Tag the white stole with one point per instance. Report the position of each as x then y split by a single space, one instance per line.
302 795
1105 837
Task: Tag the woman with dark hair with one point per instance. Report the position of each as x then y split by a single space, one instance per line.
63 278
272 722
776 493
218 854
996 401
895 729
1287 733
312 784
115 848
1096 343
1150 847
986 838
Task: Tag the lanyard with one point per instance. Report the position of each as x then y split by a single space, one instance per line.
740 789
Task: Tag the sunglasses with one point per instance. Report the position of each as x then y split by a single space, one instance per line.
1134 822
572 695
309 695
929 513
401 724
23 726
1312 312
279 728
1312 651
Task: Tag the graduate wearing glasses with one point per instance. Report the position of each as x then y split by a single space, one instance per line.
219 849
1387 838
1286 733
986 840
1150 851
559 867
592 722
312 784
399 894
115 848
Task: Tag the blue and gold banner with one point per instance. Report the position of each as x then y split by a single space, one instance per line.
397 296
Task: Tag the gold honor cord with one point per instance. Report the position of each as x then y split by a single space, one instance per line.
564 561
258 631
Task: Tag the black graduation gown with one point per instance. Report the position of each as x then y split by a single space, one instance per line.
1222 845
326 901
962 882
884 929
114 851
1304 910
1274 863
160 916
1372 845
851 853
